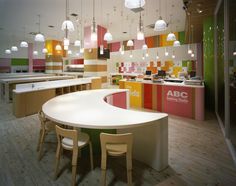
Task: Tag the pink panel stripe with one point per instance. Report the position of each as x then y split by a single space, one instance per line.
5 62
138 44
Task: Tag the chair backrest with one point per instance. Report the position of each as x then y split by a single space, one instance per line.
126 138
42 119
67 133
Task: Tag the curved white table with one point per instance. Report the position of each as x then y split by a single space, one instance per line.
87 109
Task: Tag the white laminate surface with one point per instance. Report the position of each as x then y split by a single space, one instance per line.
31 87
28 79
166 83
87 109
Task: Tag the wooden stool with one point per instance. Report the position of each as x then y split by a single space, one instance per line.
73 141
46 126
116 145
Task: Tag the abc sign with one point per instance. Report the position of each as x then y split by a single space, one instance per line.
177 94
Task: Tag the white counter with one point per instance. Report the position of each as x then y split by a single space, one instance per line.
166 83
87 109
31 87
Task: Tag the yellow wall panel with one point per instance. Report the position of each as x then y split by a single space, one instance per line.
136 93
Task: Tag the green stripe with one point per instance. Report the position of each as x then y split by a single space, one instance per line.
19 62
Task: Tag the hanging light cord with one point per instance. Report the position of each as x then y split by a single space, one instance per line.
67 11
81 14
93 17
39 22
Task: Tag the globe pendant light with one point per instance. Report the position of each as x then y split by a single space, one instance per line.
157 56
130 43
66 42
122 51
160 25
192 55
173 55
67 25
144 47
39 37
101 49
7 51
176 43
81 50
131 54
171 37
35 53
189 50
23 44
69 52
58 47
94 36
166 52
44 51
66 47
14 49
134 3
140 34
77 43
107 36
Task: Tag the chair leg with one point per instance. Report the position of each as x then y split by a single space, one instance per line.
74 165
40 135
91 155
58 155
129 169
41 145
103 167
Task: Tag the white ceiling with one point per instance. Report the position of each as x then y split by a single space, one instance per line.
16 14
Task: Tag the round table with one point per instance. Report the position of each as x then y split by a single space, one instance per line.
88 109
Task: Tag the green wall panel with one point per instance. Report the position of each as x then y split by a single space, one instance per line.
19 62
182 37
208 58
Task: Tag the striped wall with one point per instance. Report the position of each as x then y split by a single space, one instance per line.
92 65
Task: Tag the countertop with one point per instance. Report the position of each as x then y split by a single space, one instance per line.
87 109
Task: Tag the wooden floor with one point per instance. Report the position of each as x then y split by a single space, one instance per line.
198 155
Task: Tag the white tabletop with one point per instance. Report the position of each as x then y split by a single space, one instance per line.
29 79
87 109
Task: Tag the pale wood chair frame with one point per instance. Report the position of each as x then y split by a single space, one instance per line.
45 128
72 134
116 139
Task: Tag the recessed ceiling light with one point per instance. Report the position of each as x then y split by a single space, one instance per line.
74 14
124 32
51 26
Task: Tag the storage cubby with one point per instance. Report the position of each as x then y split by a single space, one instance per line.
72 88
59 91
66 90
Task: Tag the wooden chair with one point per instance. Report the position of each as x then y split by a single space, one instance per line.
73 141
46 126
116 145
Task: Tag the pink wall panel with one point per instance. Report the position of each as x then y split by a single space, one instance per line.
115 47
138 44
87 41
176 97
119 100
39 62
5 62
101 32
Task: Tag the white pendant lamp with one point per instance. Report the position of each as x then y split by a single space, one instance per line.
67 25
81 50
77 43
173 55
7 51
134 3
39 37
14 49
101 50
140 34
157 56
35 53
147 54
176 43
23 44
66 47
192 55
189 50
108 36
144 47
94 36
131 54
66 42
69 52
130 43
122 51
166 52
171 37
160 25
44 51
58 47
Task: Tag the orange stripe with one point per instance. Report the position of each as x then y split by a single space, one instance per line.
95 68
53 67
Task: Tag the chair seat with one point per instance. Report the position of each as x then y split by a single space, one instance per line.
116 149
83 139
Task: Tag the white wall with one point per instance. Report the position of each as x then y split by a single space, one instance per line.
180 53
